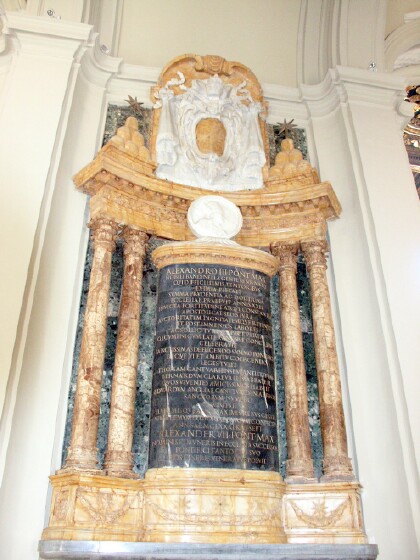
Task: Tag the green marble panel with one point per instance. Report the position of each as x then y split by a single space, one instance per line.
116 117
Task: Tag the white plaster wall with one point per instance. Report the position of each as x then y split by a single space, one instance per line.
396 11
261 34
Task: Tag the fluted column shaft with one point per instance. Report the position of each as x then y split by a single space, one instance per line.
299 464
119 456
337 465
82 452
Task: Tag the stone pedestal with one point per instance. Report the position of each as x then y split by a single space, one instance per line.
201 506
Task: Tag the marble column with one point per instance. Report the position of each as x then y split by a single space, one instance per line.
299 464
337 465
119 457
82 452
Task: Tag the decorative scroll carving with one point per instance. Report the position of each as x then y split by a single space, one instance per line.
104 507
320 517
61 504
270 517
214 64
196 68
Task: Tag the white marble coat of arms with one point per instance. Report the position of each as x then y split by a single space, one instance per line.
239 164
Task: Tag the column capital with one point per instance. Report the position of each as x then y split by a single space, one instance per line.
286 254
135 241
104 232
315 253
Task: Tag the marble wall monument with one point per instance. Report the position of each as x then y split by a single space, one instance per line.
233 221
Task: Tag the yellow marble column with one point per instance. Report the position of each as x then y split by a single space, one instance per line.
119 457
299 464
337 465
82 452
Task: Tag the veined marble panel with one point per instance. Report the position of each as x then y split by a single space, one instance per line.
116 118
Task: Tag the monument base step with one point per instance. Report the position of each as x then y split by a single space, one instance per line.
112 550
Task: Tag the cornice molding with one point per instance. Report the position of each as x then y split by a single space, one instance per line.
353 85
44 36
40 25
135 72
323 98
375 88
98 67
400 41
284 102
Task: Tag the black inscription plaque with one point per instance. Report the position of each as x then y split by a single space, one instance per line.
213 396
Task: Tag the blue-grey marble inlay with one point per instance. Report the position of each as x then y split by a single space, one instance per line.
115 118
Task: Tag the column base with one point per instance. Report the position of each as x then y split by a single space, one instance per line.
300 471
76 469
337 478
119 464
295 479
81 459
121 474
337 469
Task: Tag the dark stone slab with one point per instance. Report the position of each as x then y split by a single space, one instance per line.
213 395
110 550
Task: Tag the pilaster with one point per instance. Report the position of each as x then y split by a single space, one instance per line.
34 106
61 133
